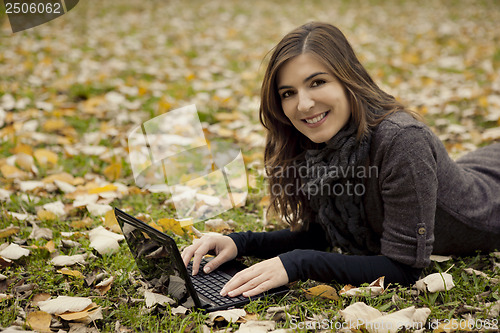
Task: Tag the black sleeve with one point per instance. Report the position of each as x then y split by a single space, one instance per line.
270 244
328 267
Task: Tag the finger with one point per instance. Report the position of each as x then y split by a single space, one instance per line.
213 264
187 254
238 280
198 255
251 285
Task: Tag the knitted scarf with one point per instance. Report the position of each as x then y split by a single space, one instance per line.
330 184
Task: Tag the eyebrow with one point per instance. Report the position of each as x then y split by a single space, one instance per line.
305 80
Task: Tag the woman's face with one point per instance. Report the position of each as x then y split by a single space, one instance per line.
312 98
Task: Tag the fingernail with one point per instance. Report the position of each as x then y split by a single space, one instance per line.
207 269
231 293
223 292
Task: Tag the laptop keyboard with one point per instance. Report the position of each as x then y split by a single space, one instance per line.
210 285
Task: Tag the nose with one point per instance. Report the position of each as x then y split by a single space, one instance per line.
305 102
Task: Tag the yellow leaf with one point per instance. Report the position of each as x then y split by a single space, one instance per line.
25 161
483 101
156 226
45 157
9 231
323 291
197 182
82 224
55 124
11 172
50 246
39 321
113 171
45 215
110 221
63 177
22 148
171 225
105 188
70 272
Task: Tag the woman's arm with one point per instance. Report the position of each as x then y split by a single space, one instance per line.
270 244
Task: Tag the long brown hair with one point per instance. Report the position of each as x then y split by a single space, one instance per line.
284 143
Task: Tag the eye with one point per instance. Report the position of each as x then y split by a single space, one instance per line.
286 94
317 83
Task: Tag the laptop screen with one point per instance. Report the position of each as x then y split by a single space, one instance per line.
155 258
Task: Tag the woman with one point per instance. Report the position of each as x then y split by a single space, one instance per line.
350 167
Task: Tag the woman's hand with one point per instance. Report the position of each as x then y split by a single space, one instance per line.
256 279
223 246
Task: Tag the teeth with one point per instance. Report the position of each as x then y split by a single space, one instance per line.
315 119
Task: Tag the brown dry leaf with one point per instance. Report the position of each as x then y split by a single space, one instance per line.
257 326
374 289
218 225
82 224
39 298
154 298
22 148
90 311
471 271
39 321
9 231
74 273
324 291
54 124
105 285
45 157
113 171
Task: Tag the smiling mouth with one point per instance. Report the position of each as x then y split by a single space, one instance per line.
315 119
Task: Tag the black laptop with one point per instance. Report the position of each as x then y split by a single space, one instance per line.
161 265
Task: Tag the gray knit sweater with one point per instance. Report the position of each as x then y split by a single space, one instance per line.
420 201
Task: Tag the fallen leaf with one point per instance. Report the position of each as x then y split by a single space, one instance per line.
435 282
39 321
438 258
45 157
257 326
11 172
98 209
229 315
14 252
106 188
64 260
74 273
91 312
172 225
9 231
110 221
63 304
56 207
105 285
40 233
179 310
104 241
113 171
45 215
323 291
39 298
471 271
154 298
374 289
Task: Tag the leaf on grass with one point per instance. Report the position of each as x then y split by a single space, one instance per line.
45 215
323 291
98 209
45 157
9 231
471 271
14 252
56 207
39 321
172 225
39 298
374 289
11 172
113 171
360 316
154 298
111 222
50 246
102 189
63 304
435 282
229 315
64 260
40 233
179 310
257 326
104 241
64 186
218 225
105 285
74 273
438 258
90 313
